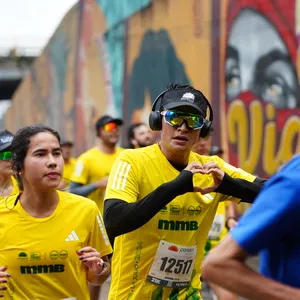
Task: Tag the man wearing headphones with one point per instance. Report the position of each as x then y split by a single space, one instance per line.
161 200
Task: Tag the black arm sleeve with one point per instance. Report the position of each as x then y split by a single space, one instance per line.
121 217
82 190
241 188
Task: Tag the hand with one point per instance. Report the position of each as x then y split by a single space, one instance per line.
3 278
102 183
231 222
218 175
92 260
195 167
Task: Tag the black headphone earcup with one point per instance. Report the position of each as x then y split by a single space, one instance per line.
205 130
155 120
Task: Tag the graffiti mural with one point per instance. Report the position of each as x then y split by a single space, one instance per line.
157 56
106 58
261 84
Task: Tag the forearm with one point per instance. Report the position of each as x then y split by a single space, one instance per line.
240 188
121 217
98 279
82 190
234 275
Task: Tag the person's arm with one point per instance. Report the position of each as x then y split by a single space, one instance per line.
225 266
269 221
121 217
82 190
240 188
85 190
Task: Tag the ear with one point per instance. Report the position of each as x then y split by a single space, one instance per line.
134 142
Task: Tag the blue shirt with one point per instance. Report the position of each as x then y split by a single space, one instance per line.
271 226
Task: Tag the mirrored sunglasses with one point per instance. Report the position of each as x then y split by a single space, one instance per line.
5 155
110 126
176 119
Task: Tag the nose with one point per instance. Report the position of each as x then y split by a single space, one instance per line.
184 126
51 163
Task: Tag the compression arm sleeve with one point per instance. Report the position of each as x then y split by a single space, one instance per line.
241 188
82 190
121 217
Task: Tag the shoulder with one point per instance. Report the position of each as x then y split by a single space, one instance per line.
87 154
292 166
288 176
138 154
77 200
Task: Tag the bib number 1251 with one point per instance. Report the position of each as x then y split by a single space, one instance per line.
177 266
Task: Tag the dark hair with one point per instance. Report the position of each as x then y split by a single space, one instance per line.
20 145
130 132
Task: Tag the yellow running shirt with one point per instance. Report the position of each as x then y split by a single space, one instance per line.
218 230
69 168
15 190
171 245
41 252
92 166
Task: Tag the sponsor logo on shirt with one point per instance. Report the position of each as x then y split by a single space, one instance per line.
35 256
23 256
59 268
178 225
72 236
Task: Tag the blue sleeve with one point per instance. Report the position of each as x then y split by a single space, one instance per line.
274 214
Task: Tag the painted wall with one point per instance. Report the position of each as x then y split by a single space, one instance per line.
243 54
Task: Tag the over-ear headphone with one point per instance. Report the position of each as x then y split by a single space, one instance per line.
155 117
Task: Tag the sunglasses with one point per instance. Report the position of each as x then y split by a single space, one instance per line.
5 155
110 126
176 119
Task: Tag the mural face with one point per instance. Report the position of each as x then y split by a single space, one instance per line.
258 61
154 69
262 94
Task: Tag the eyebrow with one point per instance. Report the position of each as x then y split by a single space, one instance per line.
231 52
45 150
269 58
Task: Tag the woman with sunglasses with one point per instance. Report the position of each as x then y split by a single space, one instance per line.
154 206
52 243
8 184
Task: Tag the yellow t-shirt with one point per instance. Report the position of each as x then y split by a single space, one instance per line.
92 166
185 221
218 230
15 190
69 168
41 252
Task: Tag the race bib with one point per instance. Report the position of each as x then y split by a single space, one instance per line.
216 227
172 265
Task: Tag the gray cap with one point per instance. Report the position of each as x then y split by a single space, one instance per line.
6 138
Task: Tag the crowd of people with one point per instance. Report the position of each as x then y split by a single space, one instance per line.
147 217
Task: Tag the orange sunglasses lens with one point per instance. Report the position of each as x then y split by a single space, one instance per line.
110 126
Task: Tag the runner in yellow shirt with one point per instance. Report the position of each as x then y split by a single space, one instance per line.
69 163
52 243
8 184
154 205
92 167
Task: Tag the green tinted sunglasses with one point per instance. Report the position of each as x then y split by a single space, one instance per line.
176 118
5 155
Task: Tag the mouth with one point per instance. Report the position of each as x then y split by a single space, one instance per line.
53 175
181 138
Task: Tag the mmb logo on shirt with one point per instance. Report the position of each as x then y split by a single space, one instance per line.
178 225
59 268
